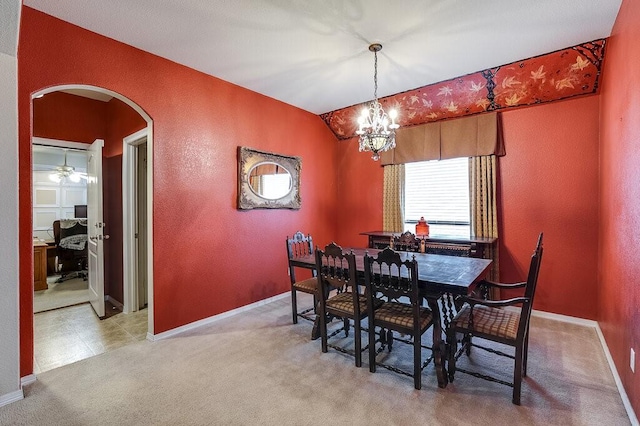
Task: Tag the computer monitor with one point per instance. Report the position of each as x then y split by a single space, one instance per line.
80 210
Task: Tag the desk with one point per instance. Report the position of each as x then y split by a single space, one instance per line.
437 275
43 261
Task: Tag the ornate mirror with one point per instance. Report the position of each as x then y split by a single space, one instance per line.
267 180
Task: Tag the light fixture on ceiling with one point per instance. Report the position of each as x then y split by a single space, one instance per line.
376 133
65 172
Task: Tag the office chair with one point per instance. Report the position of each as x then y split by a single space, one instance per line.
70 237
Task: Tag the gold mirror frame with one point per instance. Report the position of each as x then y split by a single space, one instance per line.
248 199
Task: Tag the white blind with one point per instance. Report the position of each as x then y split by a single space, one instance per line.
437 190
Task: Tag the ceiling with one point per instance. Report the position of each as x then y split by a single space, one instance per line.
314 54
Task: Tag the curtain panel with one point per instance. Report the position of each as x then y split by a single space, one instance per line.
483 200
473 136
393 198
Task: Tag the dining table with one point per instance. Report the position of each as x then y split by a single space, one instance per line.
440 278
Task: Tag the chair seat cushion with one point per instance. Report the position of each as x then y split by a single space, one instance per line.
401 314
487 320
309 285
344 302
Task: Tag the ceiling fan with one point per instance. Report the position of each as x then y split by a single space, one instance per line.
63 172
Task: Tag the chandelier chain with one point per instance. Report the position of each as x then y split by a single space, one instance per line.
375 75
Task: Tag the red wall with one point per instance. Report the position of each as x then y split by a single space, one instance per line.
619 270
208 256
548 182
69 117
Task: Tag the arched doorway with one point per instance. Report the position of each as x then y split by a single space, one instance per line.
146 132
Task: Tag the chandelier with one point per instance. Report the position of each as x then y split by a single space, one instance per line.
376 133
65 172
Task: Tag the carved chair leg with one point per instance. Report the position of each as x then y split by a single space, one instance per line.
358 342
383 336
294 306
466 340
390 339
323 330
517 376
417 362
452 349
346 326
372 346
525 352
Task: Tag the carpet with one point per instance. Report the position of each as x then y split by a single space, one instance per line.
258 368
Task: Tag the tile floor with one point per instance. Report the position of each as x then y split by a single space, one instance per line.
66 335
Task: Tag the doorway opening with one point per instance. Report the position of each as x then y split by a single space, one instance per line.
135 198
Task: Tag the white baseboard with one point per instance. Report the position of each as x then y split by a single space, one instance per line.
564 318
27 380
214 318
605 348
10 397
616 378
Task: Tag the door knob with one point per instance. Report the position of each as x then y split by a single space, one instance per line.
106 237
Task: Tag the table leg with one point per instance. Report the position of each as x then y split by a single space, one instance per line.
439 347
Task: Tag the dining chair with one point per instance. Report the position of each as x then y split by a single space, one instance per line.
406 241
300 246
388 277
340 297
487 319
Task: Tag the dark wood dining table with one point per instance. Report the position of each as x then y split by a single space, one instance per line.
438 275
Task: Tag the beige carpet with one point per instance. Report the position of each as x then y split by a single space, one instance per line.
258 368
59 295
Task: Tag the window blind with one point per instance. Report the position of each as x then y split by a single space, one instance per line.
437 190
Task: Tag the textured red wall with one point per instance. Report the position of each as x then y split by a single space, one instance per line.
549 183
69 117
619 271
208 256
359 194
122 121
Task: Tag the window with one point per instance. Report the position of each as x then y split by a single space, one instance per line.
439 191
275 186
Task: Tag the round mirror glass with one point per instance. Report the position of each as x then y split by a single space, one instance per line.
269 180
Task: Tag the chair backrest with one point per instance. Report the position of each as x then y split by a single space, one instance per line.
406 242
298 246
56 232
336 269
530 288
391 277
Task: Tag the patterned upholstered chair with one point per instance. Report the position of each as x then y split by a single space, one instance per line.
486 319
406 242
340 296
388 277
301 246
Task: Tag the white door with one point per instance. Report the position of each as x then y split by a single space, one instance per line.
95 227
